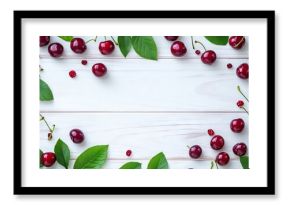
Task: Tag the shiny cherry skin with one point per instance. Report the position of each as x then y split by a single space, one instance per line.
237 125
77 136
48 159
106 47
208 57
217 142
240 149
243 71
78 45
99 69
171 38
195 151
55 50
44 40
222 158
178 49
237 42
128 153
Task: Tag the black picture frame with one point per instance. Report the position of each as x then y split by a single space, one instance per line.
268 190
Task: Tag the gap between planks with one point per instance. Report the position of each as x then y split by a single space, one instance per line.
133 112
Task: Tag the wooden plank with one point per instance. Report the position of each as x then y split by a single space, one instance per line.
143 85
163 46
146 134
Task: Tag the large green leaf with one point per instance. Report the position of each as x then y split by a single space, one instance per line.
62 153
131 165
159 161
45 91
125 44
66 38
218 40
145 47
244 162
40 154
92 158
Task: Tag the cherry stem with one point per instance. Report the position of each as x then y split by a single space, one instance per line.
192 42
188 147
239 89
200 44
40 68
50 129
93 39
237 45
105 38
114 41
245 109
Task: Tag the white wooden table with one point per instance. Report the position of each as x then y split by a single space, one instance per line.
146 106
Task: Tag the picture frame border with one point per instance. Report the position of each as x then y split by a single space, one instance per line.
268 190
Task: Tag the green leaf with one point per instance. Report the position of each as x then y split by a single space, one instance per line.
244 162
218 40
145 47
40 154
92 158
125 44
45 91
159 161
131 165
66 38
62 153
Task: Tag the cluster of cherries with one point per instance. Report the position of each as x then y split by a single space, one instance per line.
179 49
47 159
78 45
217 143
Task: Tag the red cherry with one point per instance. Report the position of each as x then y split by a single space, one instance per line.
128 153
195 151
106 47
178 49
222 158
217 142
171 38
197 52
208 57
210 132
229 65
84 62
240 103
78 45
72 74
44 40
76 135
99 69
237 42
237 125
48 159
243 71
240 149
55 50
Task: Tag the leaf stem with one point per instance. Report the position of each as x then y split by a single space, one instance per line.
114 40
200 44
240 91
192 43
93 39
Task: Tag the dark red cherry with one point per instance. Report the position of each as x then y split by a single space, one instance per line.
237 125
76 135
78 45
240 149
217 142
44 40
237 42
178 49
171 38
128 153
48 159
208 57
210 132
195 151
99 69
55 50
243 71
106 47
222 158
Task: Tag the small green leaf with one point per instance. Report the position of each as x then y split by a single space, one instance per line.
145 47
40 154
131 165
244 162
66 38
92 158
218 40
45 91
159 161
62 153
125 44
